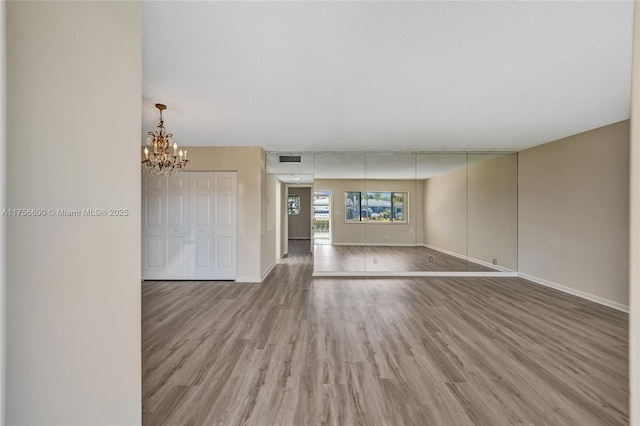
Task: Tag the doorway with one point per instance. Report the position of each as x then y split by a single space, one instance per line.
322 217
299 213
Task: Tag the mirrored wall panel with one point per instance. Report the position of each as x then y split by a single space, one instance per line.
338 234
492 209
444 243
389 212
410 212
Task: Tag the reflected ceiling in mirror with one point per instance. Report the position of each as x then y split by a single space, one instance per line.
371 165
390 166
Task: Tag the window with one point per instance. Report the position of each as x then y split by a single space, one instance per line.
377 207
293 204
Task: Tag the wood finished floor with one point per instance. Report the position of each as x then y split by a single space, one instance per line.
388 258
414 351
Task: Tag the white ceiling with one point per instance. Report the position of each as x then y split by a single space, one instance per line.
385 76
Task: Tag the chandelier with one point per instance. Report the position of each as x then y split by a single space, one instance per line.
158 158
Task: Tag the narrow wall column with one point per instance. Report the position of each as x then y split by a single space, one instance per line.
74 85
634 270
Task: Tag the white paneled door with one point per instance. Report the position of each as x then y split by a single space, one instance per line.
189 226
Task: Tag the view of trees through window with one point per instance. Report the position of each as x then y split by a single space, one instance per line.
293 204
375 206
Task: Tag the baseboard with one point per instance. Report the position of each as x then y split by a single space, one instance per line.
248 280
470 259
372 274
266 274
377 244
574 292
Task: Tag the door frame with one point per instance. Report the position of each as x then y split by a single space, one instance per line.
284 216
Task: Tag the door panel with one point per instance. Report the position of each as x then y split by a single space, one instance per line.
175 254
177 182
178 254
153 183
153 259
176 207
204 257
224 246
201 226
153 226
224 210
152 210
203 206
225 225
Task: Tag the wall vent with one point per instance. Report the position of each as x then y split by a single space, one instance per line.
289 158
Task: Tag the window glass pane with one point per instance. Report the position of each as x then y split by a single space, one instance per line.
399 214
352 206
293 204
378 207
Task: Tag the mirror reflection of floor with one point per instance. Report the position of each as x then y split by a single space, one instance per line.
370 258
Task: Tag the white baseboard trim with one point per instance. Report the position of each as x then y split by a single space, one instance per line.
470 259
574 292
413 274
248 280
441 250
377 244
266 274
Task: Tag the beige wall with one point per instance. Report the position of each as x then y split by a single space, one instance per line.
300 224
493 209
3 205
445 212
574 213
248 162
73 283
374 233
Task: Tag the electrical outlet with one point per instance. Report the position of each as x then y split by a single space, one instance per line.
495 261
375 261
430 258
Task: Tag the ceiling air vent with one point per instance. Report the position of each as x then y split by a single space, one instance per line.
290 158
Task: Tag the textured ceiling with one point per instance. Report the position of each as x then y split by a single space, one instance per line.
309 76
